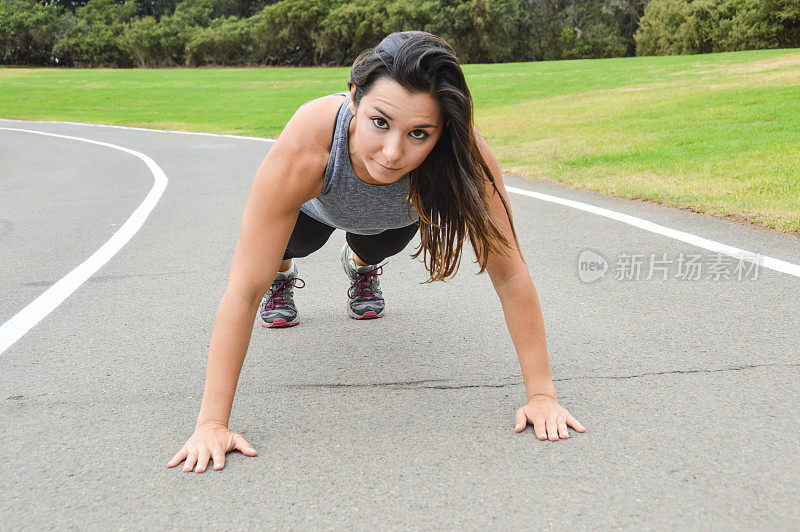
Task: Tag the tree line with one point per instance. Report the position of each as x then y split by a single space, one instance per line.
158 33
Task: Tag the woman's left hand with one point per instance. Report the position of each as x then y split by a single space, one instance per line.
549 419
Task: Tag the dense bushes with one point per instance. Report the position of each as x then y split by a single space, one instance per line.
94 35
226 41
154 44
702 26
28 32
284 33
157 33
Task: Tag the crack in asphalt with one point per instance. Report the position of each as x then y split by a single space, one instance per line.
421 383
678 371
366 384
464 386
517 381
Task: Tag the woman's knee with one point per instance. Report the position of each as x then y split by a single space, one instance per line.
307 237
372 249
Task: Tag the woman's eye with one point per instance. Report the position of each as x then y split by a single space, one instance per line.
417 134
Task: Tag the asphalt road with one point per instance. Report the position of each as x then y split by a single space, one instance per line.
689 388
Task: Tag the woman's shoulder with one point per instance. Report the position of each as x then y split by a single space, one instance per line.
320 116
315 121
307 136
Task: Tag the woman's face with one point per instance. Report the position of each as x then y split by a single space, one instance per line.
392 131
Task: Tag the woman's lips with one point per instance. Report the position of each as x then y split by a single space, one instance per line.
385 168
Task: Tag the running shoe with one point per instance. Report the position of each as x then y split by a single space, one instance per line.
277 307
364 297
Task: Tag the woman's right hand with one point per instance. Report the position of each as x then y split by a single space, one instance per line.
210 441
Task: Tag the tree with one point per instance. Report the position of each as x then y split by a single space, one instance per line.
226 41
94 35
27 32
627 14
153 44
572 29
702 26
349 28
284 33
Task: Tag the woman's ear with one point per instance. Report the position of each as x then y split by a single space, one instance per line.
352 104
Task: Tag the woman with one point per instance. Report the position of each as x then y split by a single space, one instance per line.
396 154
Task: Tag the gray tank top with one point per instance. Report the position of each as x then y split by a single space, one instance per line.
350 204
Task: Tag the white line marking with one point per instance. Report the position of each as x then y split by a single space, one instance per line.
761 260
242 137
39 308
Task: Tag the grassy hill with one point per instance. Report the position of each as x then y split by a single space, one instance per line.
714 133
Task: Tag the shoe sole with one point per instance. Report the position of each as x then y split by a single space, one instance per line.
368 315
278 323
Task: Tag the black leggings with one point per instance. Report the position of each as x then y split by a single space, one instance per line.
309 235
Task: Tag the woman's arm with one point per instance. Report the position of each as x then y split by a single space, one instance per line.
283 182
523 314
290 174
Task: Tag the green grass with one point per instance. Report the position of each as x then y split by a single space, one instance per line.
715 133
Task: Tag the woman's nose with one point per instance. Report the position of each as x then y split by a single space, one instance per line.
392 150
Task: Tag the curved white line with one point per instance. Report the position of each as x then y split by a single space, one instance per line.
762 260
39 308
179 132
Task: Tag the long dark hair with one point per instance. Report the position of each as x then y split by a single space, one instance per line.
448 189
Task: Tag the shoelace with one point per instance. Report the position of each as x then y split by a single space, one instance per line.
364 284
278 287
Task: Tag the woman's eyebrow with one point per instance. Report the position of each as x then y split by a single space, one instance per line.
390 118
